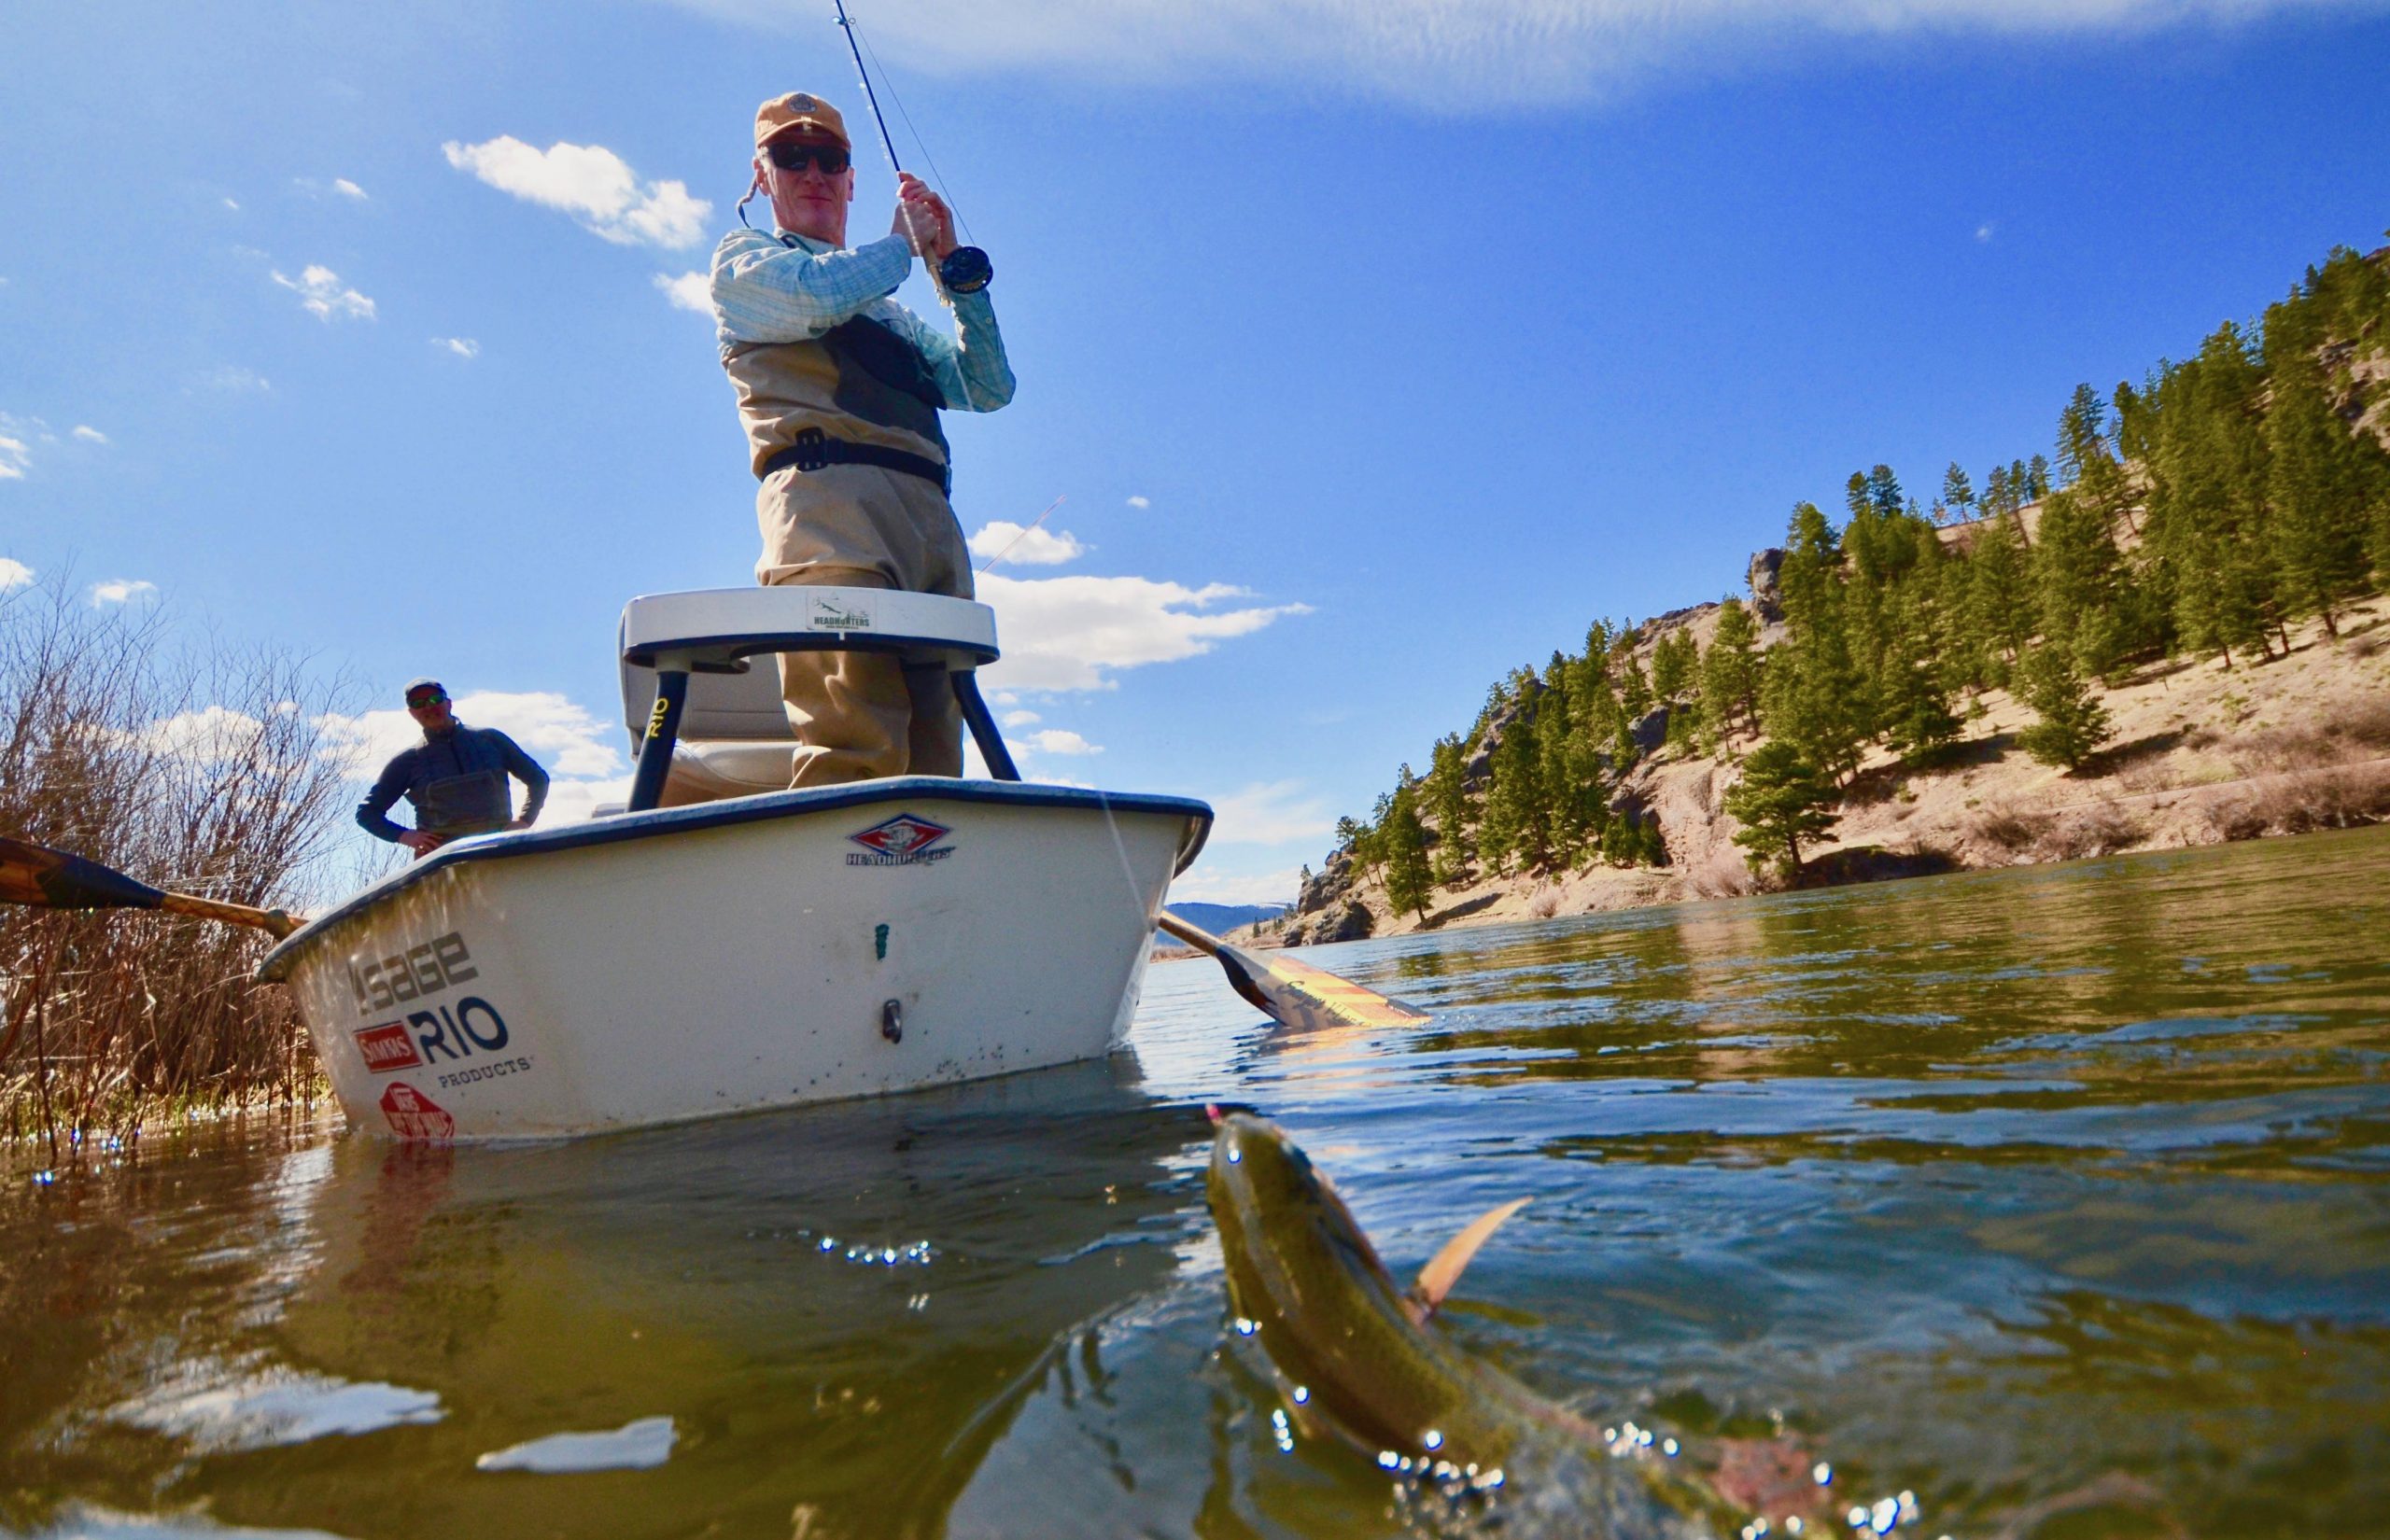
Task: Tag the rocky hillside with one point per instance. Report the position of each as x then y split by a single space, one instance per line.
2200 755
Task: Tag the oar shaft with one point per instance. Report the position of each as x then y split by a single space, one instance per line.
45 878
275 922
1202 941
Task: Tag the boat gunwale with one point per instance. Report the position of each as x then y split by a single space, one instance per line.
763 808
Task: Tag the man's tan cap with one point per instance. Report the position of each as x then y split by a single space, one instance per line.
799 112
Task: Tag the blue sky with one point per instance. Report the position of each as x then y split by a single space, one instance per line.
1373 351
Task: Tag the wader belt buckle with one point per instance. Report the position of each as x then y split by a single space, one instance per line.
813 449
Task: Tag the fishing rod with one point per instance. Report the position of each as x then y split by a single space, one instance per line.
847 25
961 270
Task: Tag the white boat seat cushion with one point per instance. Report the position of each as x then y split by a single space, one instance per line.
720 623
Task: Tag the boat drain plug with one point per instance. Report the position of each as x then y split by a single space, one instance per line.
891 1020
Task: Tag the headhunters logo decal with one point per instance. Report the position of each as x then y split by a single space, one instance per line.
824 612
903 840
387 1047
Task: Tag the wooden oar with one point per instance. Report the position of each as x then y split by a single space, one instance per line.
52 880
1294 993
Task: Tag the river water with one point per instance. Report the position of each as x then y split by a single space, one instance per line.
2057 1198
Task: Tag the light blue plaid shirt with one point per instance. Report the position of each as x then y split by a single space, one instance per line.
769 286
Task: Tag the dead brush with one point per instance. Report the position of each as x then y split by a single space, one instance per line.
2300 802
2005 828
2101 829
208 774
2351 728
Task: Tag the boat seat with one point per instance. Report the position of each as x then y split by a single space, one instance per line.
730 725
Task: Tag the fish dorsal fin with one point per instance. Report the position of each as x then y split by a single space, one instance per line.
1443 1269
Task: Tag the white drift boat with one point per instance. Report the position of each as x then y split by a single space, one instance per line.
651 966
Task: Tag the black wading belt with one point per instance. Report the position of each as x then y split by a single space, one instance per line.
815 449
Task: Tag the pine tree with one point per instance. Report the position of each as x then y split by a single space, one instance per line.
1918 721
1730 668
1516 824
1634 689
1673 662
1445 794
2318 490
1560 775
1812 694
1407 877
2072 724
1958 492
1781 800
2076 572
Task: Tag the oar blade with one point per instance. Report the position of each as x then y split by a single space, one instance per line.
1299 995
52 880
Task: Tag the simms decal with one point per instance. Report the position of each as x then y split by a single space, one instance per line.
387 1048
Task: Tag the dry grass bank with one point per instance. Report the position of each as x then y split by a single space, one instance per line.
205 772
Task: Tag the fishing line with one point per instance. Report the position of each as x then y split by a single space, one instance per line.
1022 535
868 95
935 176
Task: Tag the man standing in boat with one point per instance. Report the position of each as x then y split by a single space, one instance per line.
455 780
839 388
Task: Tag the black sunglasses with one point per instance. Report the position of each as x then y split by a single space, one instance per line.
417 701
830 158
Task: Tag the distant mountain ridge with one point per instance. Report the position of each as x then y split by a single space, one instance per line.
1218 918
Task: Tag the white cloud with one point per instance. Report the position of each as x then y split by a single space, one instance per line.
1070 633
1056 740
689 291
463 347
1464 55
591 183
348 188
15 459
1140 501
320 293
1026 547
235 381
572 801
13 575
1206 885
209 735
88 434
122 591
233 206
1269 813
1022 719
1983 232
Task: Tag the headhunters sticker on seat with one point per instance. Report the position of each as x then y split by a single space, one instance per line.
838 612
903 840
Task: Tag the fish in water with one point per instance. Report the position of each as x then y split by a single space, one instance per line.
1361 1362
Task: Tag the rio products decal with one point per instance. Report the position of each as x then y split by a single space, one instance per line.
905 840
415 1115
